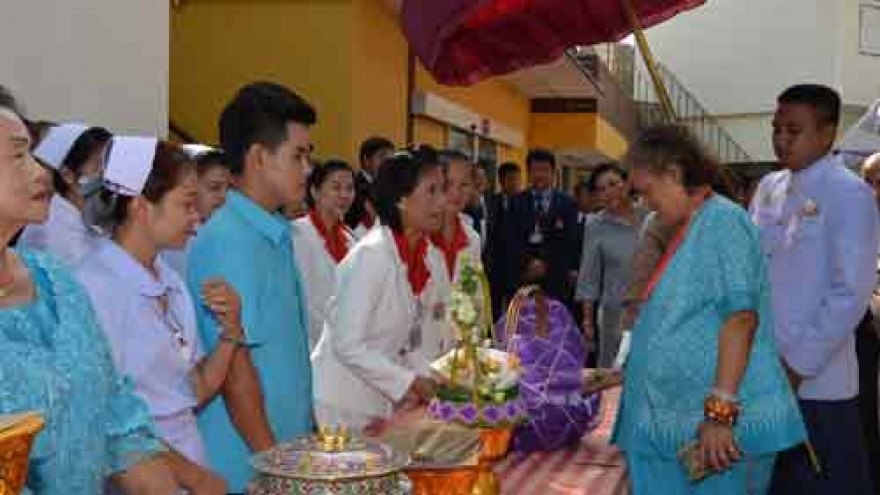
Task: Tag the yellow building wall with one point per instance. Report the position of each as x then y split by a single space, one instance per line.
512 154
563 130
494 98
379 87
609 140
349 59
432 132
217 47
576 131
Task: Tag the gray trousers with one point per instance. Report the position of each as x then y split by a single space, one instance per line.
609 335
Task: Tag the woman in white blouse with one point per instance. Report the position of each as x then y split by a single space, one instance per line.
75 154
321 239
147 204
456 243
457 238
363 364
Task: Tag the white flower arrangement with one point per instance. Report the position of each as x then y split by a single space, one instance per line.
473 364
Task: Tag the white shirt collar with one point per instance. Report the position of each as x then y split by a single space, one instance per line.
128 268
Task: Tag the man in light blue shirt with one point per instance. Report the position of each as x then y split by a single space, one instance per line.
267 397
819 230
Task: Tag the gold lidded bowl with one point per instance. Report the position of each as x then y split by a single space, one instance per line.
333 454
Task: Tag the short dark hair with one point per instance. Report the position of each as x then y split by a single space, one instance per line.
602 169
398 177
540 155
426 153
825 101
108 210
259 114
38 129
207 159
506 169
7 101
581 188
86 144
448 156
668 146
373 145
321 173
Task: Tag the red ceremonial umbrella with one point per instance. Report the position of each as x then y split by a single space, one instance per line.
464 41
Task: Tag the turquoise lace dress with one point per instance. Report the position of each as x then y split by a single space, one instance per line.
54 359
718 270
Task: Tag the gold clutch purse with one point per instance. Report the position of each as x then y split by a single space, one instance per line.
17 434
691 459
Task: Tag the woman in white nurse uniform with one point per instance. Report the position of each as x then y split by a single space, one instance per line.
75 153
147 204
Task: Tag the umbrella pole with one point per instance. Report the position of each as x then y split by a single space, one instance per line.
650 63
410 94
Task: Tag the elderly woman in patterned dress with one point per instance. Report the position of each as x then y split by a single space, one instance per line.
56 360
703 375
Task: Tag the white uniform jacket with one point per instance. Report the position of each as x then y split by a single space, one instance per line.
367 357
318 270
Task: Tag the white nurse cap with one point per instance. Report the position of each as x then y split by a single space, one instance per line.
129 164
194 150
56 145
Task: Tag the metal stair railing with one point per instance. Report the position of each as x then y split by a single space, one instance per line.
620 59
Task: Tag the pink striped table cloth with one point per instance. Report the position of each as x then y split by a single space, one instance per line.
594 468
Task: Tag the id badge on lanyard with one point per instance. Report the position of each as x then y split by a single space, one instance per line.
415 331
184 348
537 236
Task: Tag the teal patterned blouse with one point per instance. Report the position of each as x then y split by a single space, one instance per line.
55 359
718 270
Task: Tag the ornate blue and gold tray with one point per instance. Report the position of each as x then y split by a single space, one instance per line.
330 464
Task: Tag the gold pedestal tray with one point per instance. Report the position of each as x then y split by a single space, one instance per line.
17 433
496 444
472 475
445 457
457 481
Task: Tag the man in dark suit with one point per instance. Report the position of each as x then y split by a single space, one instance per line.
477 208
543 231
584 201
495 256
373 152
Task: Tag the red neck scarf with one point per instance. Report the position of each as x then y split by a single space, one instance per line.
414 260
335 240
451 249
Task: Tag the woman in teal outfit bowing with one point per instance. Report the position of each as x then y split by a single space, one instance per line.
703 375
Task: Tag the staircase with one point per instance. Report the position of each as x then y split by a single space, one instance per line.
620 59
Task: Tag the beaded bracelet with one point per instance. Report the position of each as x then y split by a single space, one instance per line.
716 392
237 342
721 411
